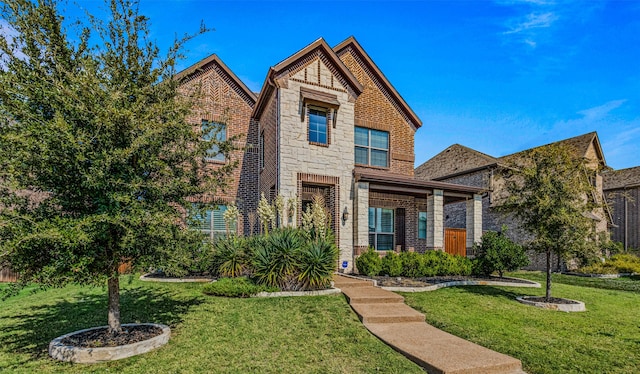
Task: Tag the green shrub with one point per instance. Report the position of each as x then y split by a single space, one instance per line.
369 263
610 247
496 252
276 263
625 263
317 264
230 256
461 266
410 264
598 268
392 265
429 264
234 287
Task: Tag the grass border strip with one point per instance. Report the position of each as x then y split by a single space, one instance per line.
330 291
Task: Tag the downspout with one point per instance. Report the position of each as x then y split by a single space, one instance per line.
625 220
278 140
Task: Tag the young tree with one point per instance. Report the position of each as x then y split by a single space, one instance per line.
550 193
96 158
496 252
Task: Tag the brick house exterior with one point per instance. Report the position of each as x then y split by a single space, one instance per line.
222 97
462 165
328 122
622 191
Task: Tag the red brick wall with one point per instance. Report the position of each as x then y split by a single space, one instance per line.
268 126
374 110
222 99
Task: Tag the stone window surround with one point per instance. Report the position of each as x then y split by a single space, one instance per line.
321 101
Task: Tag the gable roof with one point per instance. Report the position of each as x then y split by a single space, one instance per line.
454 159
579 143
623 178
352 44
458 159
214 60
290 63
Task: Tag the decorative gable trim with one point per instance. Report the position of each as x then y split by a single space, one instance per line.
352 46
214 62
280 73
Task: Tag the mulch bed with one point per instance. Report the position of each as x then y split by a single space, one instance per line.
386 281
101 338
551 300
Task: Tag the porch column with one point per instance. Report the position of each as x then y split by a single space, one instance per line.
361 218
435 220
474 220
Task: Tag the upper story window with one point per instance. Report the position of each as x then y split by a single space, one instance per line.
214 131
372 147
318 129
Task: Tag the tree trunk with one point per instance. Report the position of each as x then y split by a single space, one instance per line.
113 285
548 294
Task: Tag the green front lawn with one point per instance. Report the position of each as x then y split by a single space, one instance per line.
209 334
604 339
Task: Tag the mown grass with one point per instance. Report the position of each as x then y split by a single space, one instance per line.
629 283
209 334
604 339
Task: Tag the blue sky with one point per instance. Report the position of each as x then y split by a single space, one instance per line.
496 76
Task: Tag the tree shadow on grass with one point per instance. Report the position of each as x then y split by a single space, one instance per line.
491 291
30 331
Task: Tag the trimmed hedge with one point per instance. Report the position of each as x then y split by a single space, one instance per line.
413 264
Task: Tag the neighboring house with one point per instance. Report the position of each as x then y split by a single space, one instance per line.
622 191
328 122
462 165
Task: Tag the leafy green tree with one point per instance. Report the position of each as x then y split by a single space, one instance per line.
97 160
550 193
496 252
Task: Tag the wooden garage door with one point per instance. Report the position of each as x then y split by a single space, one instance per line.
455 241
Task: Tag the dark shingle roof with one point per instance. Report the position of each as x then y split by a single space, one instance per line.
615 179
456 158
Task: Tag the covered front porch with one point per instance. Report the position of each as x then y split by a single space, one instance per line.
393 212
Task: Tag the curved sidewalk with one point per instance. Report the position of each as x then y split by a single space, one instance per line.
385 314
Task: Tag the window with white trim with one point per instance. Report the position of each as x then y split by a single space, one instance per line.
214 131
381 225
372 147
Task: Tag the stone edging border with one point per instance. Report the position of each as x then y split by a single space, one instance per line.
578 306
437 286
146 278
62 352
593 275
330 291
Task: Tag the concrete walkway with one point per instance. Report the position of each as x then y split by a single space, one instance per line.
386 315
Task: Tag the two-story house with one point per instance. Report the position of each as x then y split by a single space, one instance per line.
328 122
622 190
462 165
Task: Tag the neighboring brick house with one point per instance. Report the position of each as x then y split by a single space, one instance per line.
329 123
622 191
462 165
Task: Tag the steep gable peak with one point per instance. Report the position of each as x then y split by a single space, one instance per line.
318 50
351 45
453 160
581 144
214 62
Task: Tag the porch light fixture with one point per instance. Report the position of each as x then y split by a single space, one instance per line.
345 215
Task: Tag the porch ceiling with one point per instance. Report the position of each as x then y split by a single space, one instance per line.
384 181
